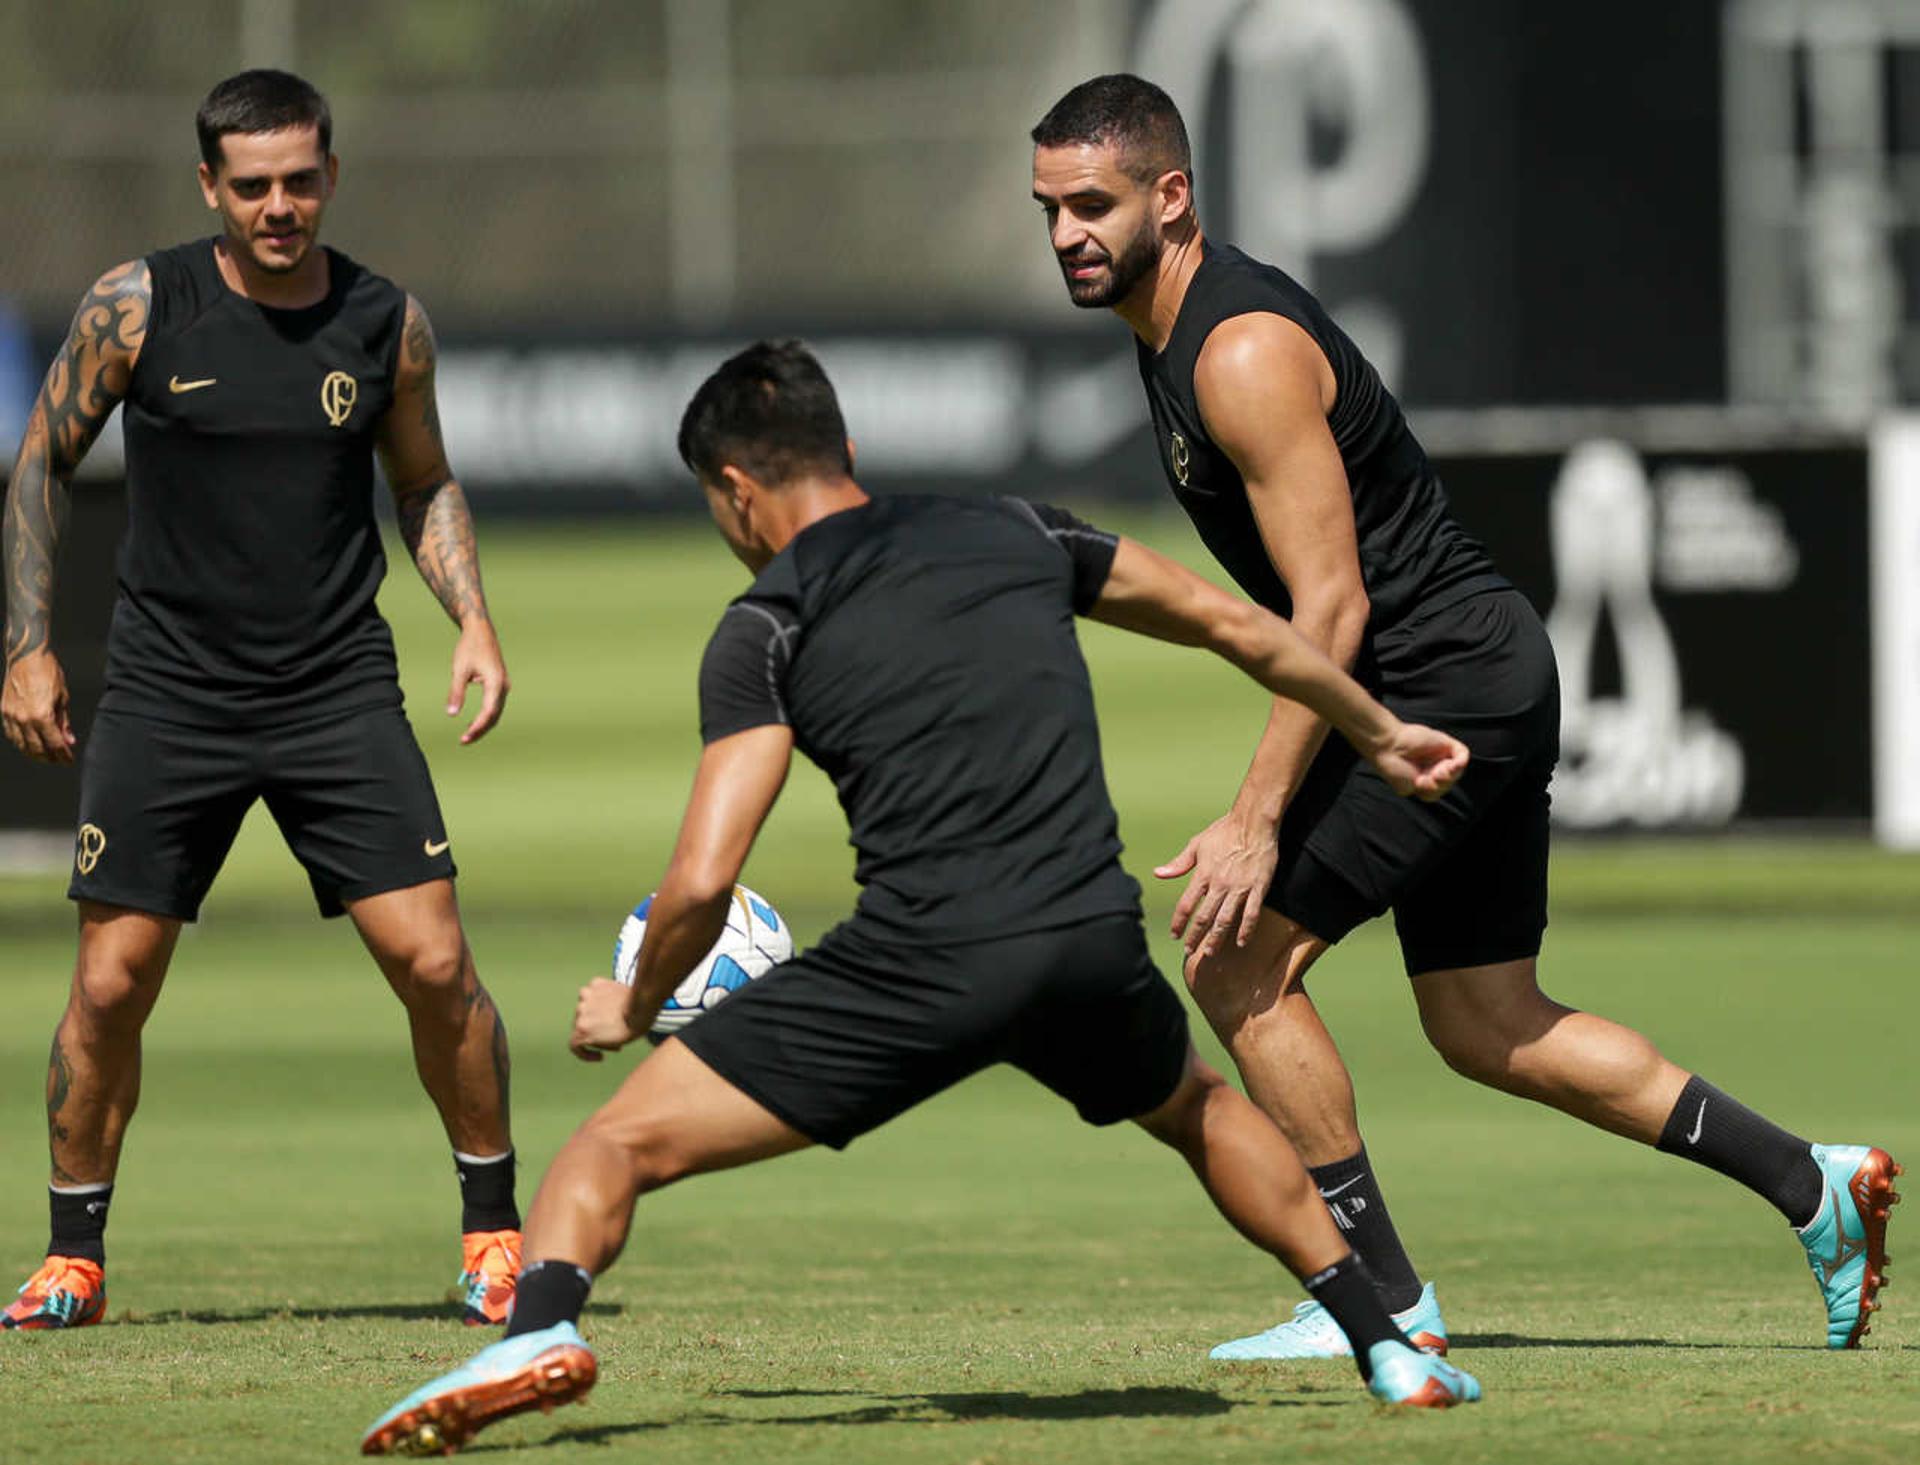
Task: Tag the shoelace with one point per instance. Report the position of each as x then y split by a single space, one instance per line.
61 1274
504 1265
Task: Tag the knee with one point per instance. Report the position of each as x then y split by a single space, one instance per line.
112 994
1486 1040
434 976
640 1146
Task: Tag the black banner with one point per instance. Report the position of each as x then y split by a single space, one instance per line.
1710 614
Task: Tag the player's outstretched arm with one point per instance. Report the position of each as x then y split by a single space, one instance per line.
85 383
437 525
1155 596
734 789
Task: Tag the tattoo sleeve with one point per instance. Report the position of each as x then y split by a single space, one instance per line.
438 530
435 522
86 381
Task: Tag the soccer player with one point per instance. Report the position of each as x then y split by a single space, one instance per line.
922 652
1298 469
260 374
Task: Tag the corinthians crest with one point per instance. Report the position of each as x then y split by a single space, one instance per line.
337 394
1179 456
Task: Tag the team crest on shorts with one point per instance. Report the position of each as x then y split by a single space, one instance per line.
87 847
1179 456
337 395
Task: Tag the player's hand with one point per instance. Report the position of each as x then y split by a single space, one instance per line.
1232 862
34 707
600 1021
1418 760
477 658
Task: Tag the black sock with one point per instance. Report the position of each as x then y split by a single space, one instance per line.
1351 1295
1725 1135
486 1193
79 1222
1353 1195
548 1293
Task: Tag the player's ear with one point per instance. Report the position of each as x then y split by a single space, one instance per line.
740 487
333 173
850 458
208 186
1173 193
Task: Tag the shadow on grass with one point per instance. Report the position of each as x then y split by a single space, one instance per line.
1522 1340
936 1408
393 1311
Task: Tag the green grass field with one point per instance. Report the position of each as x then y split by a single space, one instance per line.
985 1281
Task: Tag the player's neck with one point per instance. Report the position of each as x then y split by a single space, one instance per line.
305 284
1153 305
803 503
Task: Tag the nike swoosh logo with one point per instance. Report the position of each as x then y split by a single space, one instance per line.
436 849
176 386
1329 1194
1694 1138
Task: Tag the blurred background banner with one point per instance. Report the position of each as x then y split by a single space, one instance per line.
1645 270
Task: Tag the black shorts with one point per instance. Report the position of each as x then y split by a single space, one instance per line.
160 804
857 1030
1465 876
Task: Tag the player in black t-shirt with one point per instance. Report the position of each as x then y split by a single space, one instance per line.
922 652
1298 468
260 374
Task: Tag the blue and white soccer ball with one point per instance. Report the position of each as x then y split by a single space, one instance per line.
755 941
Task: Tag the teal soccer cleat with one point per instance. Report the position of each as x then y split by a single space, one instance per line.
1418 1380
1312 1333
1846 1240
533 1371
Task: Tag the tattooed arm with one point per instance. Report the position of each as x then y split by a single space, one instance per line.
436 524
86 381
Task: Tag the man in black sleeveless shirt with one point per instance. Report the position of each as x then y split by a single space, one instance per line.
260 373
1298 469
922 652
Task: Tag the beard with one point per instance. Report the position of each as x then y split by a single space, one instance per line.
1136 257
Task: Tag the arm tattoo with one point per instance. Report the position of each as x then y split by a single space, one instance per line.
438 529
435 521
86 381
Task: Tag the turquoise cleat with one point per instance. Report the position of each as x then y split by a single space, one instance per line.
1846 1240
1312 1333
533 1371
1418 1380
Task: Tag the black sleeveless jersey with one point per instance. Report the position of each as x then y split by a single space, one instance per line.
252 557
1413 556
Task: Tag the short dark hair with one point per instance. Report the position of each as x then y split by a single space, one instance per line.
260 101
770 411
1126 111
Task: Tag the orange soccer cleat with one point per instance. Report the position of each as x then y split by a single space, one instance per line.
67 1292
490 1265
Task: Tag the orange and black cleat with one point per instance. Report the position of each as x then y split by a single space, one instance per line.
489 1269
67 1292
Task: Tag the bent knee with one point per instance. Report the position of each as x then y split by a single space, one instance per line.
647 1148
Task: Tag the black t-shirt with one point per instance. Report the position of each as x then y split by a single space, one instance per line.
1413 555
923 652
252 557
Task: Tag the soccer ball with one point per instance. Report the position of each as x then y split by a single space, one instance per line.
755 941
